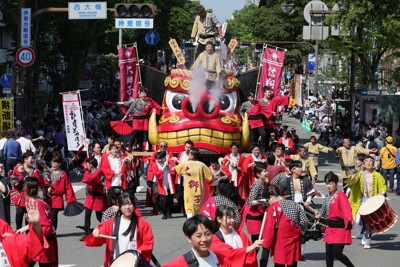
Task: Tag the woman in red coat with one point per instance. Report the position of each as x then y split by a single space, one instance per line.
21 249
248 169
60 186
337 209
288 142
49 257
95 196
198 231
236 245
133 232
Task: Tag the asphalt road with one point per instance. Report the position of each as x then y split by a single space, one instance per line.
170 241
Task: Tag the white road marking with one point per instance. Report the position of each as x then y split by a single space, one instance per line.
66 265
77 188
139 189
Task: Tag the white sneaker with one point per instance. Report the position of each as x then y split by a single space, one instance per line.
367 247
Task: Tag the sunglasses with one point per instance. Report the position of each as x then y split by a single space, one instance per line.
163 146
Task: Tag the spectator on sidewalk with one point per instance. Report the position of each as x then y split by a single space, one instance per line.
12 153
387 155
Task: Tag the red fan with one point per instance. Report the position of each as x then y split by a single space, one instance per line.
121 127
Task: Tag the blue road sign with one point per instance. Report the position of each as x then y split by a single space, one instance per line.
152 37
5 80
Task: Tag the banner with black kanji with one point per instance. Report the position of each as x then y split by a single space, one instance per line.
7 117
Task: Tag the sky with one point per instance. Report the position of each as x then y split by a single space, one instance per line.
223 9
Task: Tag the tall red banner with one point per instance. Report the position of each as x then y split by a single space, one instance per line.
271 71
129 79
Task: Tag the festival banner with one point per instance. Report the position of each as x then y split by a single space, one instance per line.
73 120
6 118
129 71
271 71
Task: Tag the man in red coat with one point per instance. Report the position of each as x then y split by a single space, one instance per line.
18 250
270 106
140 109
198 231
183 156
282 229
162 172
112 168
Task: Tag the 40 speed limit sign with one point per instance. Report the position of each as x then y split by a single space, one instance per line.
25 56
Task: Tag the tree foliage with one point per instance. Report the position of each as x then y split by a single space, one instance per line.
375 28
267 22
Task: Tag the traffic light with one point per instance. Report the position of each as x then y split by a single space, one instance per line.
135 10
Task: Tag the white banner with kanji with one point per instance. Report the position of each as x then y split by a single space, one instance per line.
74 126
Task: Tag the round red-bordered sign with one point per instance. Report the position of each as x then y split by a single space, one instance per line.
25 56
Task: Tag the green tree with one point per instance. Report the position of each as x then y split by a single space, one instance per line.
375 28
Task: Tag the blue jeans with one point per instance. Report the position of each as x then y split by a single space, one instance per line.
390 172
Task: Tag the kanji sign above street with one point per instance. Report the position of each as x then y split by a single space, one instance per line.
131 23
87 10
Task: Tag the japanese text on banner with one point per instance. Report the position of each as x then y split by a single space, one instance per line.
129 79
73 121
271 71
6 118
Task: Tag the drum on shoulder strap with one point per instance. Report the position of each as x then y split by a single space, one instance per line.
377 214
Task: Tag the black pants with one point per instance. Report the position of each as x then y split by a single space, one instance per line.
268 132
88 215
138 137
10 164
166 203
5 209
336 251
32 263
55 217
179 196
255 134
199 49
264 254
19 216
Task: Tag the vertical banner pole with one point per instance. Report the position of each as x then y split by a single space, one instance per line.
259 70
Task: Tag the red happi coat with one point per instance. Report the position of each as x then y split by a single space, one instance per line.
239 170
339 209
248 177
281 236
21 248
270 107
95 196
181 262
155 174
256 115
145 238
290 146
236 257
60 187
141 122
109 173
49 255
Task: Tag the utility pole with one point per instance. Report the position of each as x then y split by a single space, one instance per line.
18 74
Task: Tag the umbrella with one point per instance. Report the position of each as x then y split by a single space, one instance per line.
121 127
312 98
73 209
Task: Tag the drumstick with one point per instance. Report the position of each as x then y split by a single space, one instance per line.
262 226
108 236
